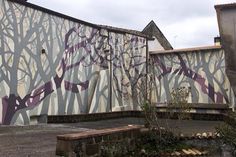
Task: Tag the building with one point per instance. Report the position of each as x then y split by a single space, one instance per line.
226 15
53 64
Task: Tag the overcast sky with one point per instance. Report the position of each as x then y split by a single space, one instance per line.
185 23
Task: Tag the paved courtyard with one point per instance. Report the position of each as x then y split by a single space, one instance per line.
40 140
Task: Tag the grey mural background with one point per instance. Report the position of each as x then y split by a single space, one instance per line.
203 72
51 65
56 66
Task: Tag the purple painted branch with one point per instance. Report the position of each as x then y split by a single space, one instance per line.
73 87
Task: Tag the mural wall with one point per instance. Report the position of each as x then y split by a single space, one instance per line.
203 72
51 65
128 69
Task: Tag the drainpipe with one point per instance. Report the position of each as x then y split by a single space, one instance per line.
147 68
111 74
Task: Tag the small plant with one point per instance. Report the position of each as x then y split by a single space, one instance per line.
158 139
146 93
150 116
179 103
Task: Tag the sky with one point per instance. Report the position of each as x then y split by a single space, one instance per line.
185 23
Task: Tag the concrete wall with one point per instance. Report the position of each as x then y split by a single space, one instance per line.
226 15
84 69
55 65
154 45
202 71
103 142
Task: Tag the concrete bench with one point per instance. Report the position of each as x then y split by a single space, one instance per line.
89 143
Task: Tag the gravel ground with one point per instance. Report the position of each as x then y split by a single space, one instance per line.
33 141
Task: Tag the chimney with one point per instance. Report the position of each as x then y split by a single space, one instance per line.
217 41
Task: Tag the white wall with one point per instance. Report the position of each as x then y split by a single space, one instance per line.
154 45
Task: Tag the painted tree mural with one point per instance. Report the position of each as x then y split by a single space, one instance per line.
203 72
51 65
129 68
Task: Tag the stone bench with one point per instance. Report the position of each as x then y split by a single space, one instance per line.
89 143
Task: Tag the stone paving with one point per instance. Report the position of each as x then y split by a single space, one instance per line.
40 140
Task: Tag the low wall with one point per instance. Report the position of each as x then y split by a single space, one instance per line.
93 116
198 112
91 143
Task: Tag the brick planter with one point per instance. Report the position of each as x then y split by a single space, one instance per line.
90 143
